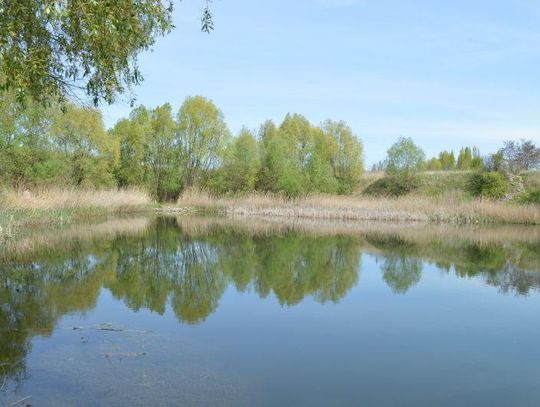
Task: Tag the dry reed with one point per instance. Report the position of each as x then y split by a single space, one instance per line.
22 208
75 234
418 232
57 198
448 208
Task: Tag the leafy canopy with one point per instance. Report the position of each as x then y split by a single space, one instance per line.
404 157
72 48
202 138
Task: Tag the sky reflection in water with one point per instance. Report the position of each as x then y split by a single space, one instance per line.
211 312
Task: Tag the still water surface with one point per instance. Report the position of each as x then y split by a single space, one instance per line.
180 311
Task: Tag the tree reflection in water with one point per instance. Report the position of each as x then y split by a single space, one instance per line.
194 271
188 265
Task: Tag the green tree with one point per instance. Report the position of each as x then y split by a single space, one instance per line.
465 159
299 158
241 164
298 133
434 164
404 158
347 160
287 177
279 170
495 162
80 135
320 170
266 178
161 153
130 138
148 152
70 47
447 160
25 146
202 137
477 162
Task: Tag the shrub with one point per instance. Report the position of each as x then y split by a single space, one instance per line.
393 186
530 197
488 185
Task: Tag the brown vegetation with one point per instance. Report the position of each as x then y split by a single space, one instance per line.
447 208
22 208
80 234
418 232
57 198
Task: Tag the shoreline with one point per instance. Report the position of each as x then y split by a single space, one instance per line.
13 222
445 209
20 211
454 238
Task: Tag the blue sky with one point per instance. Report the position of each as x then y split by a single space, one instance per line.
446 73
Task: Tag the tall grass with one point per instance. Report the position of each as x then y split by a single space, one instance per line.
417 233
57 198
22 208
65 238
447 208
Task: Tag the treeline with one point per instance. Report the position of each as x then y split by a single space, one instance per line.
165 152
54 145
194 148
469 158
493 176
513 157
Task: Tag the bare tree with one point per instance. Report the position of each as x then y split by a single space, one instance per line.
521 156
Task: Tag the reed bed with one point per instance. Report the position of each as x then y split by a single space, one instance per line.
417 233
77 234
451 244
22 208
447 208
57 198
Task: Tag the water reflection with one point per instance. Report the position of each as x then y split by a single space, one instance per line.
189 263
34 295
513 266
192 271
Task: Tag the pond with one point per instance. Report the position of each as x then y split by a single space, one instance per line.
216 312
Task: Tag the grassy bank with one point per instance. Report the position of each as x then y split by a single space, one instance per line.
21 209
437 183
447 208
441 197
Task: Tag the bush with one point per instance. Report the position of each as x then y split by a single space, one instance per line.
393 186
530 197
488 185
